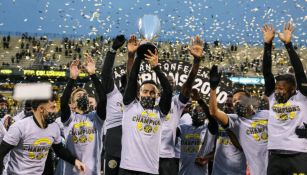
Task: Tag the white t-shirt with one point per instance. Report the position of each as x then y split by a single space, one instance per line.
141 138
228 159
253 136
169 127
185 119
284 119
195 142
83 135
21 115
115 106
32 146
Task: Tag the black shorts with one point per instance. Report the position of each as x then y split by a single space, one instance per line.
168 166
287 164
113 142
130 172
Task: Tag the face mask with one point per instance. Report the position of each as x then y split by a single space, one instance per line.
3 112
263 105
83 103
198 118
148 102
50 118
91 108
240 110
280 97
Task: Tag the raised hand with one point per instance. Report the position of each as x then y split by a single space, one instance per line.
196 47
215 77
152 58
286 35
80 166
73 69
90 66
133 44
118 42
268 33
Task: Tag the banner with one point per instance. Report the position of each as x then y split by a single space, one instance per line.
179 70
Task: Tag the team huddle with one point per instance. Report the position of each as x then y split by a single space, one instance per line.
147 128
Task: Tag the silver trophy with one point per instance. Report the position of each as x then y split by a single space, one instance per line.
149 28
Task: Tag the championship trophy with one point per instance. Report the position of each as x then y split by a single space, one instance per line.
149 28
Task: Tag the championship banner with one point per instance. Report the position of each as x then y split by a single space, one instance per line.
179 70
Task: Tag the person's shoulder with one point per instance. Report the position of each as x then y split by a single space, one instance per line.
26 120
53 125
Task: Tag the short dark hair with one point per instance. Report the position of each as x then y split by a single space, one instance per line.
149 82
241 90
289 78
36 103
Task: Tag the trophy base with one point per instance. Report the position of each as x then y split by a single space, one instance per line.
143 49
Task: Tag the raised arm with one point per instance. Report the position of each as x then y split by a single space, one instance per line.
213 125
133 44
300 75
219 115
102 102
268 36
166 95
65 109
196 49
108 81
130 90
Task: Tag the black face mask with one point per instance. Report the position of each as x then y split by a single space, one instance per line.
91 109
148 102
83 103
263 105
3 112
280 97
51 117
240 110
198 118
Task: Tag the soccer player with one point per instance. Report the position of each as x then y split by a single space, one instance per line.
113 123
142 120
287 102
167 163
229 157
30 139
83 129
197 140
249 126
